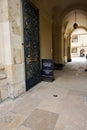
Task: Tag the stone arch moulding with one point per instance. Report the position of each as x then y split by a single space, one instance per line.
79 27
73 7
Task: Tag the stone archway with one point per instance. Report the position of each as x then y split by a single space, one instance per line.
68 22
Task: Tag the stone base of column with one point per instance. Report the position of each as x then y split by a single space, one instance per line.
58 66
69 60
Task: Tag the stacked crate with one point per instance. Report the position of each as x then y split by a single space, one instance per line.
47 70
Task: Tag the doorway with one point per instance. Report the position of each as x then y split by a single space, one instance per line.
31 44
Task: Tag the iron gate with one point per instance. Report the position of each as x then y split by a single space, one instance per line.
31 44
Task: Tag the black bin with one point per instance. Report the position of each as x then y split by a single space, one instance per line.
47 70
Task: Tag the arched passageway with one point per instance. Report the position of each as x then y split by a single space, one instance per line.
57 105
75 39
79 43
56 19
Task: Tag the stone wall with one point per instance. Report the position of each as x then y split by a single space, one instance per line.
3 84
17 77
12 75
4 40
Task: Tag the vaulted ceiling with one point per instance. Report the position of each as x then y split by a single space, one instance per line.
63 4
66 9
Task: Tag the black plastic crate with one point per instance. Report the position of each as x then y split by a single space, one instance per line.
47 64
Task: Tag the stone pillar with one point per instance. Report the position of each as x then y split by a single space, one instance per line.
69 49
4 48
55 43
65 49
15 68
58 48
11 48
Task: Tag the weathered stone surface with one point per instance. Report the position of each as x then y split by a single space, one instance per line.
14 15
17 89
11 121
17 56
3 91
16 80
2 68
3 10
41 120
22 128
3 83
3 76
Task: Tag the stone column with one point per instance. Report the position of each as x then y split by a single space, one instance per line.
11 48
4 48
15 68
69 49
58 48
59 45
55 43
65 49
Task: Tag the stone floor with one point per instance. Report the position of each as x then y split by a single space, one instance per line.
57 105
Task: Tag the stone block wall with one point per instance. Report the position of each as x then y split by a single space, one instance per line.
3 84
12 74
